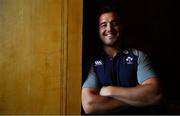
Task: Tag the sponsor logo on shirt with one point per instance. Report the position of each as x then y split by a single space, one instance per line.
98 62
129 60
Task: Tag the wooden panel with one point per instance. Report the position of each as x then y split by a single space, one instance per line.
74 56
40 56
30 56
71 54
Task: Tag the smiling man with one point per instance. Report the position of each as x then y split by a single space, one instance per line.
120 81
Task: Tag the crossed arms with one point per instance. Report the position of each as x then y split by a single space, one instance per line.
111 99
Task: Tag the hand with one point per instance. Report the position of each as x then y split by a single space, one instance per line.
105 91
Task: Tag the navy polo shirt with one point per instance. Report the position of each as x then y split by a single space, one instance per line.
128 68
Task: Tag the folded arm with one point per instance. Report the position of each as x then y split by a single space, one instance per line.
93 103
148 93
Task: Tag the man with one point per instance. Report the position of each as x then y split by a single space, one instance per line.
120 81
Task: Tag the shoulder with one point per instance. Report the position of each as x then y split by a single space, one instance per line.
138 52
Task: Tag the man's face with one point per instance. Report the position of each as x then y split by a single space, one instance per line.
109 28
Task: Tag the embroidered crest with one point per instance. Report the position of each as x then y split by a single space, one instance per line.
129 60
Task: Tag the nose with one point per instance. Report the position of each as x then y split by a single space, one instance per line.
109 27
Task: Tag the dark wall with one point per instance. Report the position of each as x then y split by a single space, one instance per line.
152 26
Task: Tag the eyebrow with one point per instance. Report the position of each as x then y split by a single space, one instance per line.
103 22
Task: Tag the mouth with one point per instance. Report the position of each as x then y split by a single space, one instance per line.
110 35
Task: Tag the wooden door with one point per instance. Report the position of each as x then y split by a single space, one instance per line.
40 56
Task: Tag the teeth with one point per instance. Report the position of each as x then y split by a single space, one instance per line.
109 35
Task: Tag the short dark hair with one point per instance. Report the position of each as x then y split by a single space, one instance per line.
111 8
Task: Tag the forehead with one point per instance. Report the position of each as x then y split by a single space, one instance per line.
109 16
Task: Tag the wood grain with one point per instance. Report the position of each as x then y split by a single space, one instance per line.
40 56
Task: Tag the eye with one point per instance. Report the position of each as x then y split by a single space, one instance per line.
102 25
115 23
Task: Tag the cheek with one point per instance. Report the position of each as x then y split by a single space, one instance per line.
120 29
117 29
101 31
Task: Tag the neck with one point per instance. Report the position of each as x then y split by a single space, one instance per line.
111 51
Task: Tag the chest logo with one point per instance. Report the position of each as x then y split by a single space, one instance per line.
129 60
98 62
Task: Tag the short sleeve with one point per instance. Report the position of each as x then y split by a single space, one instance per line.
144 69
91 81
